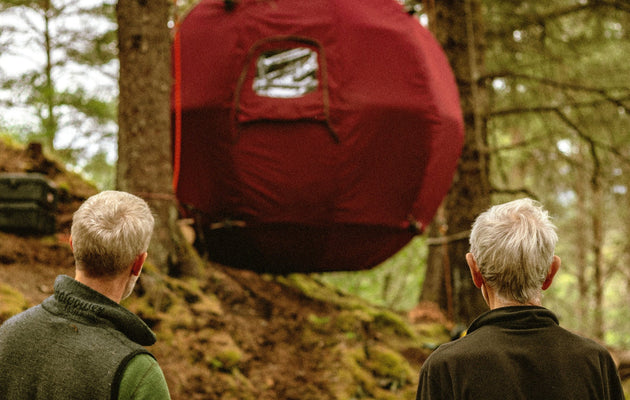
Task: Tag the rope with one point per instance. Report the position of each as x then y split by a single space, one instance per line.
435 241
156 196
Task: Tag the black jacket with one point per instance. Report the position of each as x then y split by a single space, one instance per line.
519 353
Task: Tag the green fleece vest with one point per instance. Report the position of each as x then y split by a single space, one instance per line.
73 346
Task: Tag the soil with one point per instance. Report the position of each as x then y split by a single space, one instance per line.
232 334
235 334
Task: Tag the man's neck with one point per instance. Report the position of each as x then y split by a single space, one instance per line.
111 287
496 301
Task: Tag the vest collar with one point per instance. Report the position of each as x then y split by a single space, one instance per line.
85 303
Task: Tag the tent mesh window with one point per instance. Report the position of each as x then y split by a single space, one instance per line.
287 73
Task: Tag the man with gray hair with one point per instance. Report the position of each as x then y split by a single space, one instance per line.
517 350
80 343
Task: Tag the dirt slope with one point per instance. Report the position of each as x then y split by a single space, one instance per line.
235 334
232 334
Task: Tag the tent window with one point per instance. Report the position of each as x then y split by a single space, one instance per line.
286 73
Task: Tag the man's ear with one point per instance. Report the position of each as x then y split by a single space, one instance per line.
555 266
71 248
475 273
138 263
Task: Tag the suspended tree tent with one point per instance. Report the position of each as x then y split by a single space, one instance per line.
310 135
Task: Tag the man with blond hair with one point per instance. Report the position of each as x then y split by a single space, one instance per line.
517 350
80 343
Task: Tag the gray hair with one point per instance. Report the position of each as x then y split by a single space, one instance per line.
109 231
513 245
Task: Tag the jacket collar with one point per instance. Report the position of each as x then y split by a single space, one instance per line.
516 317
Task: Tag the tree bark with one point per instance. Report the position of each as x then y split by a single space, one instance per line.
598 254
49 122
583 237
460 30
144 140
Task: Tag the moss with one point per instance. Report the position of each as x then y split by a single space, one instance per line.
432 334
237 391
320 324
221 352
379 318
389 366
63 188
179 316
148 302
11 141
372 372
364 382
12 302
173 303
321 291
49 241
238 387
149 269
391 322
207 305
229 358
318 321
343 385
352 320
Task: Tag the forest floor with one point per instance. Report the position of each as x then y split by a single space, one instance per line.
235 334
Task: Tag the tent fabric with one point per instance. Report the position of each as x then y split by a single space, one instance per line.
315 135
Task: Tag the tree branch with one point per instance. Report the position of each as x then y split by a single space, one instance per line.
593 144
620 5
541 109
542 19
517 145
551 82
564 118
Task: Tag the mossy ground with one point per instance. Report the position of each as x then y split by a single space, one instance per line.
235 334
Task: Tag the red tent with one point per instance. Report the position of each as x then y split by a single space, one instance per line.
311 135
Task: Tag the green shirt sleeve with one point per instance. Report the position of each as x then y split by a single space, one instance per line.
143 380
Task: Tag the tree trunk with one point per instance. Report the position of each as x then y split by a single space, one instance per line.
598 255
459 28
144 139
583 237
49 122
